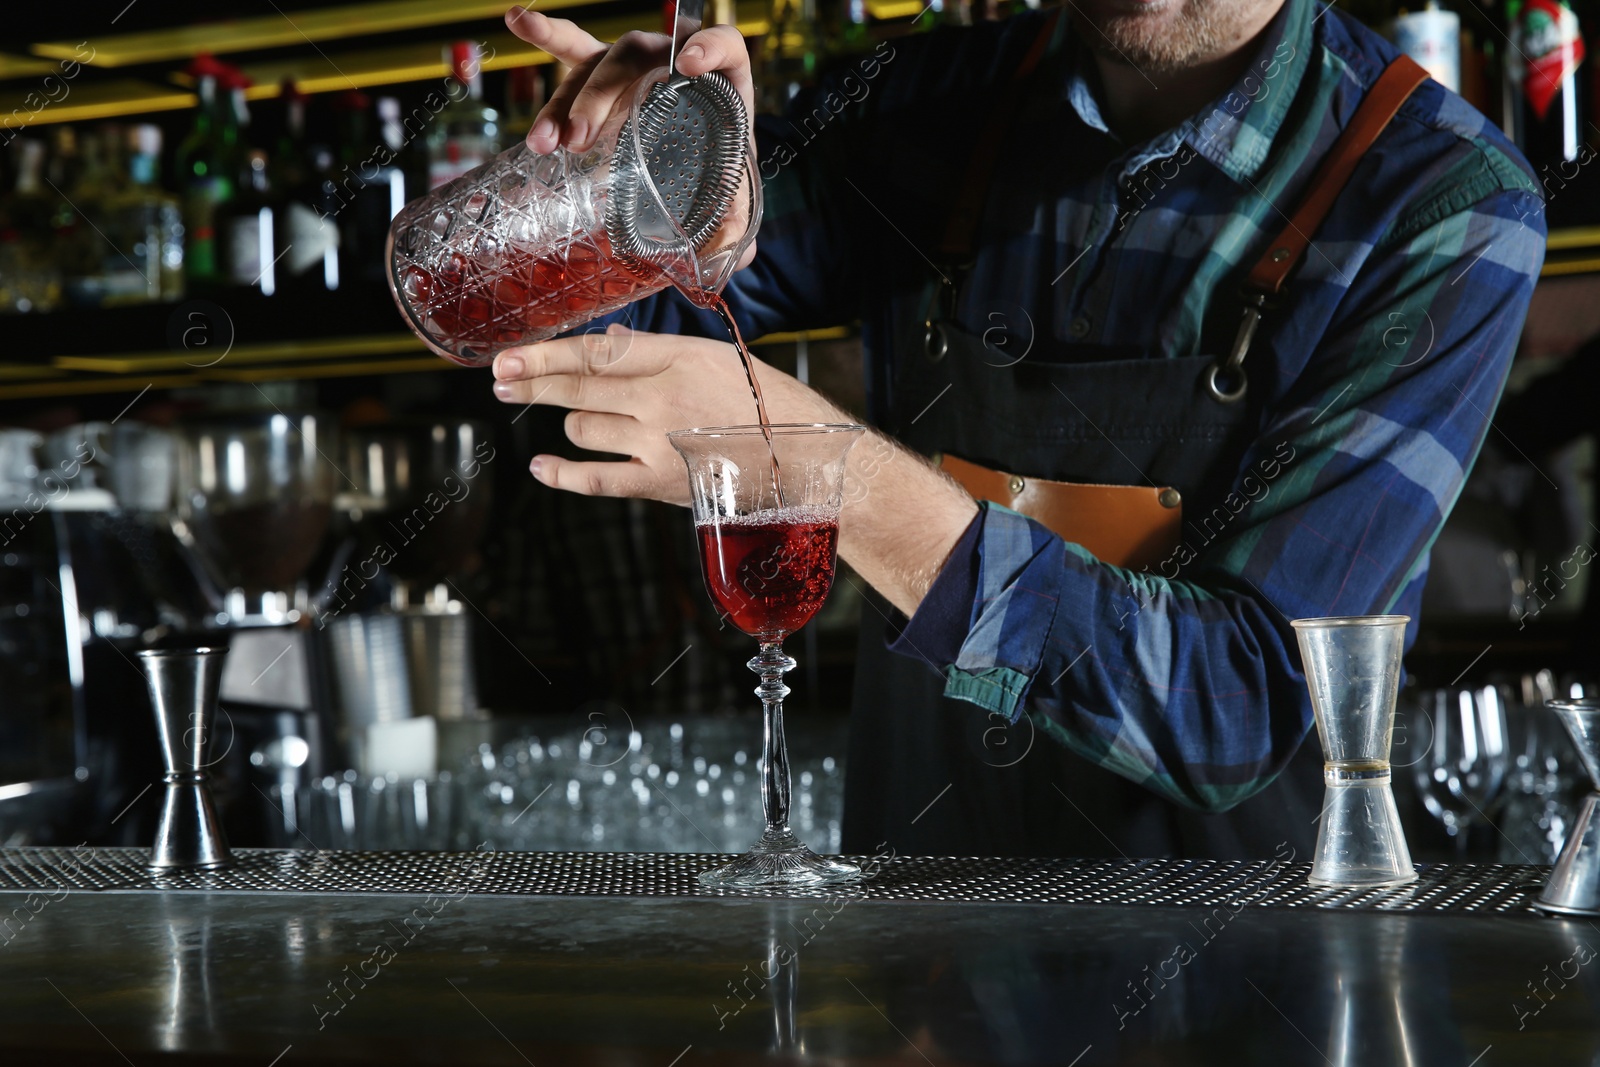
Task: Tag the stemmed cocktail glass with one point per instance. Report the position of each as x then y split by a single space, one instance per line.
767 521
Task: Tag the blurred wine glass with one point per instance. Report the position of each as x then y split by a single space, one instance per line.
1542 788
1465 756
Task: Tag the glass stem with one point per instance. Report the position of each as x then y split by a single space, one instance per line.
770 666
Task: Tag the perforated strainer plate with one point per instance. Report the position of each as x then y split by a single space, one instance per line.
1483 889
693 134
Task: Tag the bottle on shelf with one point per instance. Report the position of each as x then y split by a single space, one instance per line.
367 187
957 12
249 225
236 114
466 132
1544 108
854 33
788 57
396 162
77 176
843 26
1432 37
1547 105
308 227
145 226
525 95
290 154
207 170
30 279
63 171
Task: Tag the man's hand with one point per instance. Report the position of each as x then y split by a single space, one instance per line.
601 73
626 390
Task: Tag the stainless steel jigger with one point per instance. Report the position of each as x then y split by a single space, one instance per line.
1574 885
183 693
1352 667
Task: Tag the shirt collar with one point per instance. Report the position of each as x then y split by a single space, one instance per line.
1235 131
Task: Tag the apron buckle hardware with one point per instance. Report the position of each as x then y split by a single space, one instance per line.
934 342
1226 380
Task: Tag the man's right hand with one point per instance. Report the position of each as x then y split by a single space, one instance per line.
601 73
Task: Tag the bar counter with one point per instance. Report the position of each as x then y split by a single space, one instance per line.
622 958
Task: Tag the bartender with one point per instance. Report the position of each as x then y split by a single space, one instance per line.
1182 319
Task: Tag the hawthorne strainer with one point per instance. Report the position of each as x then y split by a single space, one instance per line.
530 246
690 135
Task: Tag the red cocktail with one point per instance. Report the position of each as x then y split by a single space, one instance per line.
771 571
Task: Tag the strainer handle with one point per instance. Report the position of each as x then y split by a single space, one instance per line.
687 18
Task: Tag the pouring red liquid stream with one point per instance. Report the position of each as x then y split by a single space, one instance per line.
720 306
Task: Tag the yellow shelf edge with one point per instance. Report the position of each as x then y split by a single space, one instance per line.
354 368
28 372
248 355
885 10
1573 237
12 66
99 101
831 333
422 61
280 30
1570 266
352 70
299 353
85 386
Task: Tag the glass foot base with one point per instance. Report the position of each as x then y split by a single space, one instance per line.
780 861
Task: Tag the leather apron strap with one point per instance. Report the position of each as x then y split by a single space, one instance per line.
1266 280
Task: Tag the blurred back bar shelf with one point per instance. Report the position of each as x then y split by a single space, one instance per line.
142 72
253 339
90 121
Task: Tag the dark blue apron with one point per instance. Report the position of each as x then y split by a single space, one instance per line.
934 775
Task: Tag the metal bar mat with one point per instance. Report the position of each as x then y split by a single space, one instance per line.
1490 889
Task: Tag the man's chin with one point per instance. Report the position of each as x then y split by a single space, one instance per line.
1154 36
1133 32
1100 11
1134 42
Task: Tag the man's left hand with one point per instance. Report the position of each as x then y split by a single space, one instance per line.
626 390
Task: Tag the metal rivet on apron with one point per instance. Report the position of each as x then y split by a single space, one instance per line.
934 342
1015 484
1079 327
1169 498
1280 254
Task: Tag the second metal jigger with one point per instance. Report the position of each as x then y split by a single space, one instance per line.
183 693
1574 885
1352 666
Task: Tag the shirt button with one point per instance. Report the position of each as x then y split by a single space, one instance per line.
1079 328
